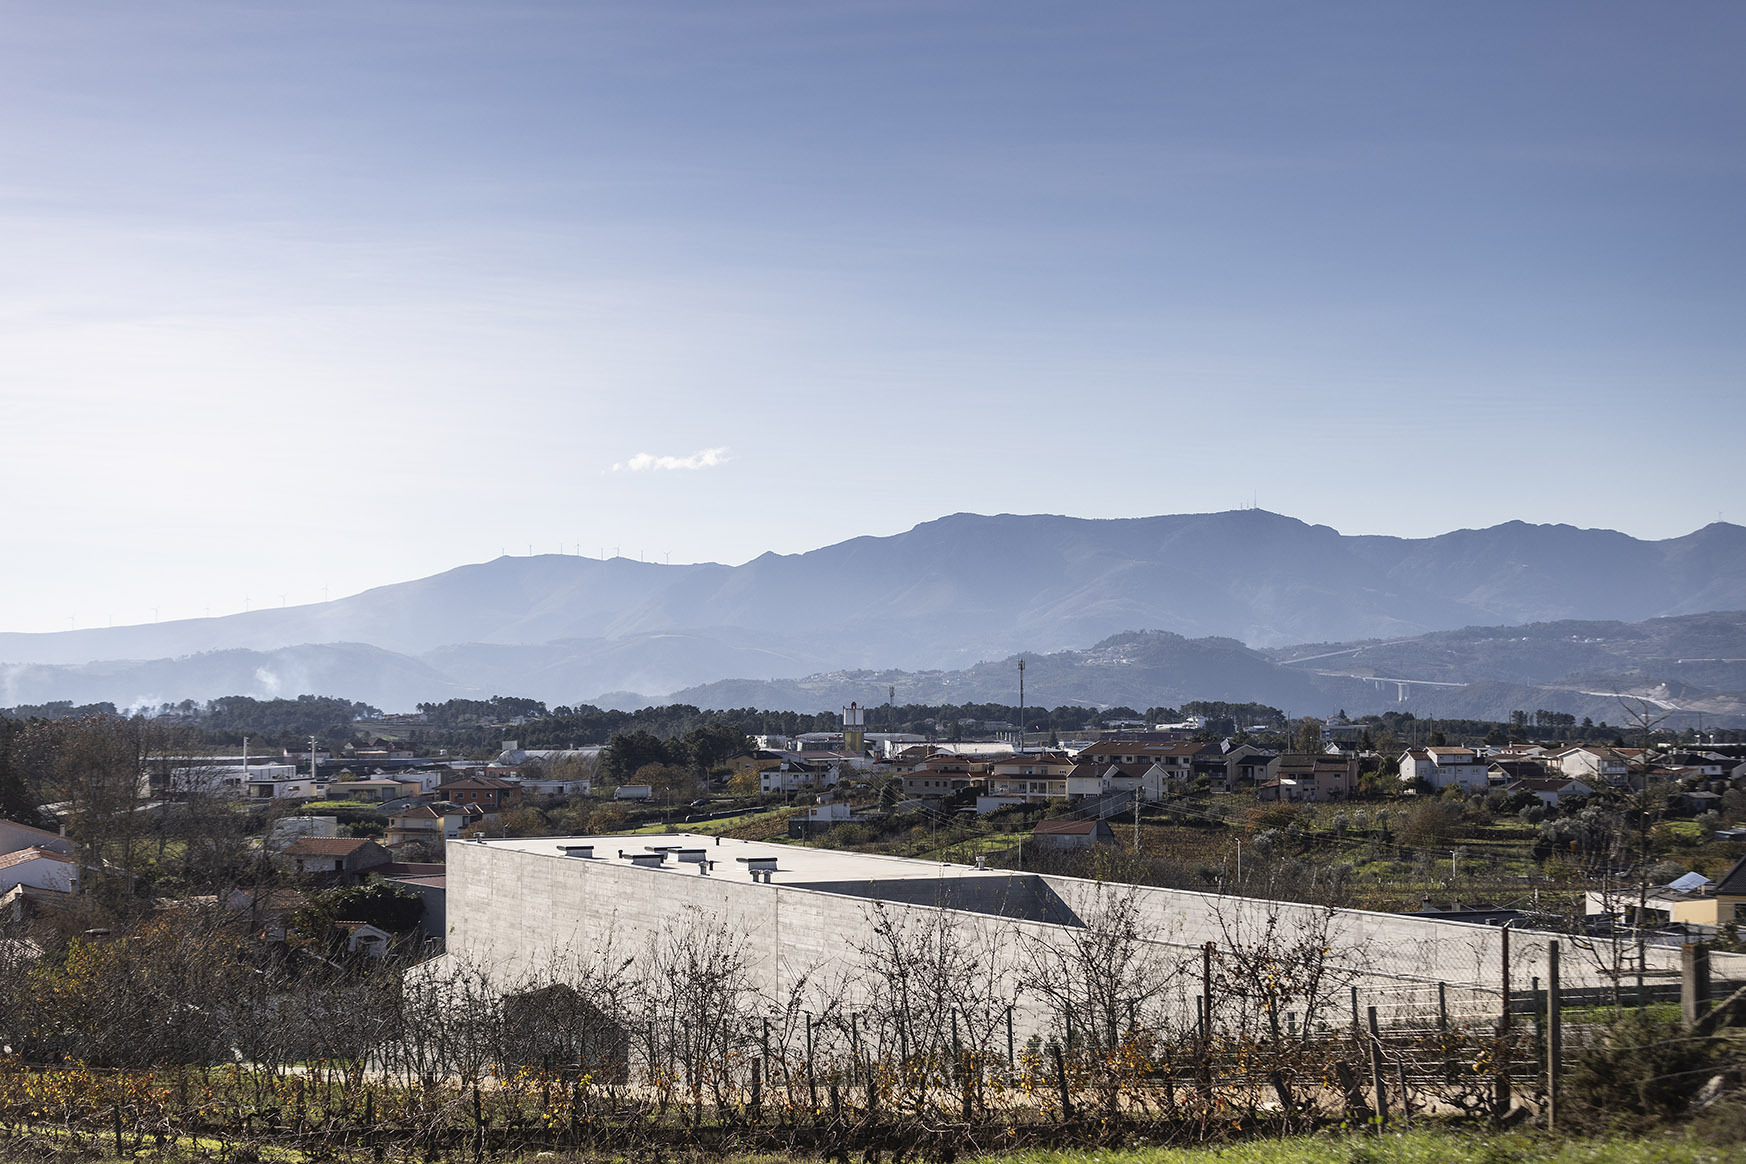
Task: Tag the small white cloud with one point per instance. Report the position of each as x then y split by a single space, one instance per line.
649 462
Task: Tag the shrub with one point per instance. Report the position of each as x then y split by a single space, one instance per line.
1645 1070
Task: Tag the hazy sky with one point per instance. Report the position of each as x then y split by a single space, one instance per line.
306 295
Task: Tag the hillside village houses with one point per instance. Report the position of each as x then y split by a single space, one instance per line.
422 803
1152 764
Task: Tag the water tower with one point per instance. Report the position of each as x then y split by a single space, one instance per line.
855 729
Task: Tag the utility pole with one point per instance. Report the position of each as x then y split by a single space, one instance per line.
1021 735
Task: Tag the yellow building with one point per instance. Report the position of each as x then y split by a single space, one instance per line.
1718 905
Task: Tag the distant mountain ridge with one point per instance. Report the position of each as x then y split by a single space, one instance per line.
1584 668
1476 673
946 594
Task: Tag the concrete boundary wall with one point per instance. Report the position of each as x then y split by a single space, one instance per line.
1382 947
516 911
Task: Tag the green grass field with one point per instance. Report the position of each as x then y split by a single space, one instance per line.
1432 1147
1416 1147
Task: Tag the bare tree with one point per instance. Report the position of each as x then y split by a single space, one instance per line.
934 989
92 770
1276 978
695 1009
200 823
1278 965
1105 979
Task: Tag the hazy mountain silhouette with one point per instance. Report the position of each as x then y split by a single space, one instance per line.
368 674
946 594
1695 662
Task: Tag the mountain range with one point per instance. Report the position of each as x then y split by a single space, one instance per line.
1587 669
944 596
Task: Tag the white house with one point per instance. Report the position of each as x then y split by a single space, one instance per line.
1444 768
1091 779
39 869
1148 778
1612 765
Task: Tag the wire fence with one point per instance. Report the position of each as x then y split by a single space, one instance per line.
1398 1051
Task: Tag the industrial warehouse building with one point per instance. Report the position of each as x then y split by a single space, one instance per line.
517 906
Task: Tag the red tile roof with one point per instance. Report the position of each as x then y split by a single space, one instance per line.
1065 828
20 856
1143 748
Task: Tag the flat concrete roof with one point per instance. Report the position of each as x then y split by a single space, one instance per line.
869 876
795 864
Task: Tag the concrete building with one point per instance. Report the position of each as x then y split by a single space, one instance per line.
517 907
1176 758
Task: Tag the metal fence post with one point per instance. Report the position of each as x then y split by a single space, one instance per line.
1554 1034
1378 1079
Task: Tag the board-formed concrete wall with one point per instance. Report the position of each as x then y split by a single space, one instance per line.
514 911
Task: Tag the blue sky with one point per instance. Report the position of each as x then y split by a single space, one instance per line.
323 295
